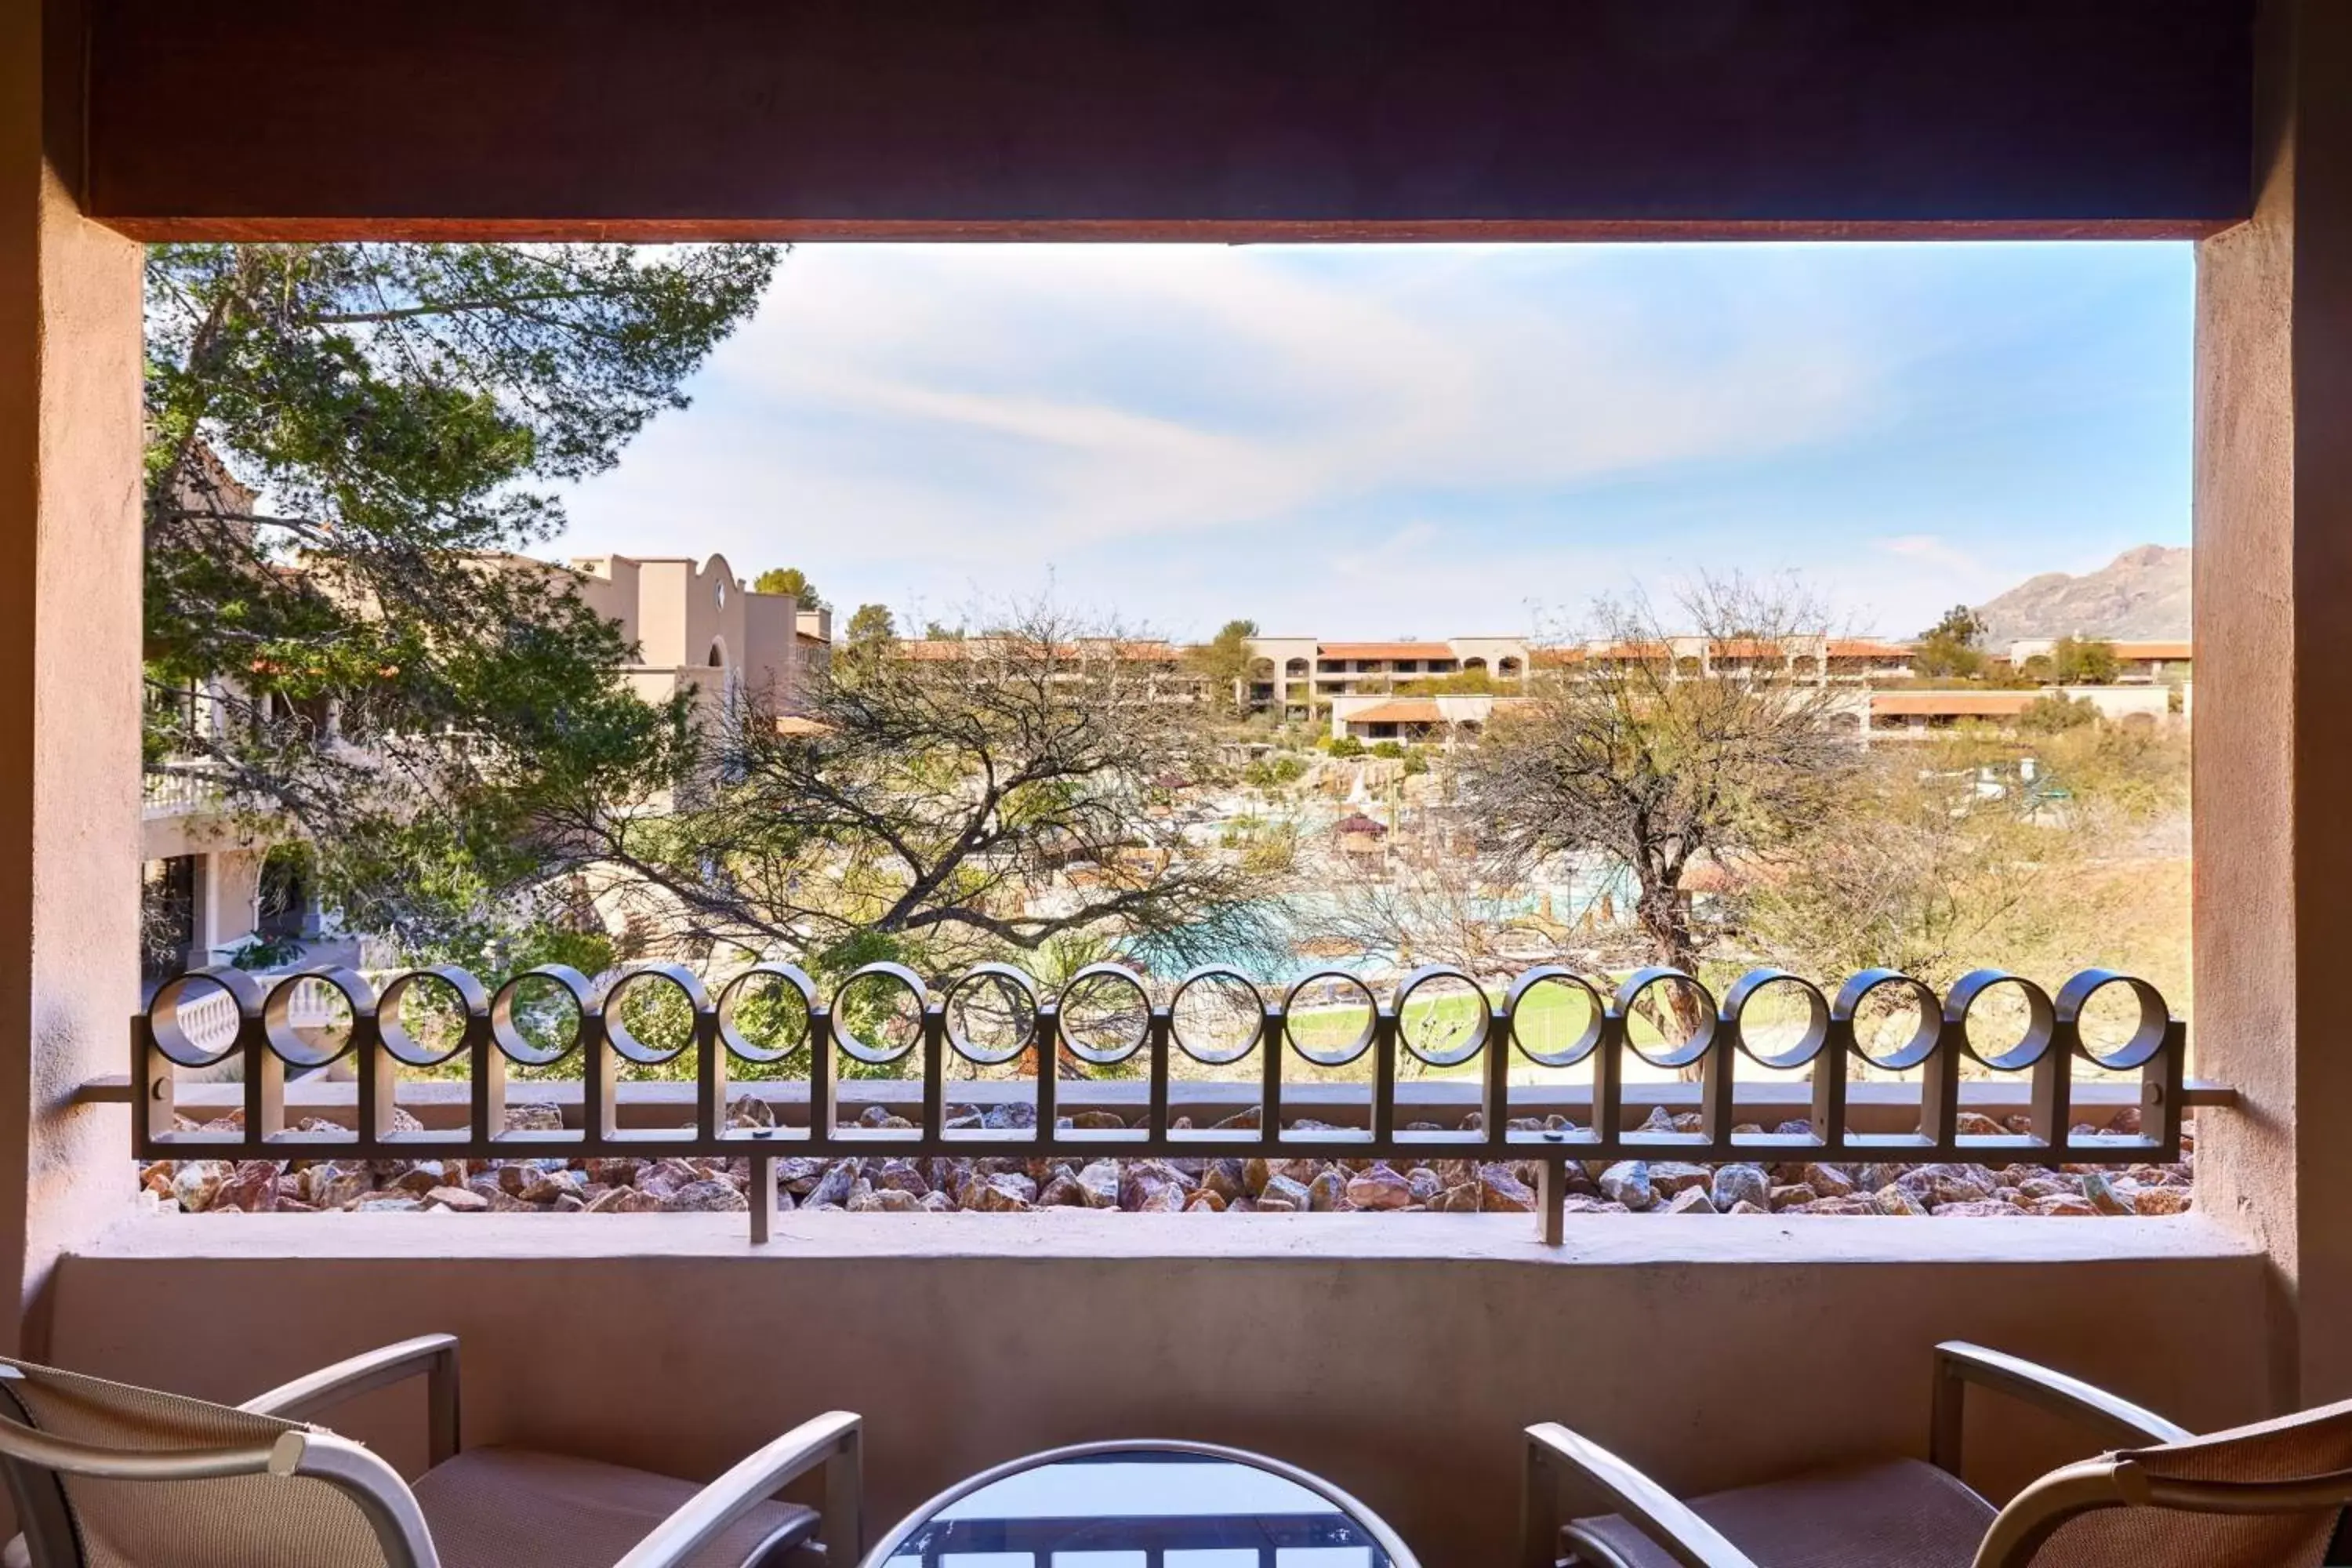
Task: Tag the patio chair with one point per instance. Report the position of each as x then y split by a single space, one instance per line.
2264 1495
104 1475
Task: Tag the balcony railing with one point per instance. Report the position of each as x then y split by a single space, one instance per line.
1125 1031
182 789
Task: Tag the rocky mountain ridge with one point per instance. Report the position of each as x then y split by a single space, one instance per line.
2140 596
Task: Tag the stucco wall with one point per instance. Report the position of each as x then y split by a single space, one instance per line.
1400 1356
69 806
2272 843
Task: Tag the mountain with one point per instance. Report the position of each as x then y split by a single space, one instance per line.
2142 594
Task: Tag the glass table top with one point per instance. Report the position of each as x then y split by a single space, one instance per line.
1140 1506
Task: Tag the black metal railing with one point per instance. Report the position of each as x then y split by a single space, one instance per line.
1107 1020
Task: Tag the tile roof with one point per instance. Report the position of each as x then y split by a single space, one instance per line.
1384 650
1952 704
1404 710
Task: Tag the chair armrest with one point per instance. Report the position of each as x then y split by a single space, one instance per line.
830 1441
1958 1364
436 1355
1683 1535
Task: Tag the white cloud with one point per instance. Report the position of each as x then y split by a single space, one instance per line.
1372 440
1035 398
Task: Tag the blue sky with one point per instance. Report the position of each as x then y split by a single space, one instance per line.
1425 441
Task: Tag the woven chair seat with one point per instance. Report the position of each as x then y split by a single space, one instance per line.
513 1507
1897 1513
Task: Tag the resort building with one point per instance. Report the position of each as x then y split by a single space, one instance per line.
2159 663
698 628
1794 657
1445 719
1147 668
1296 677
211 883
1922 712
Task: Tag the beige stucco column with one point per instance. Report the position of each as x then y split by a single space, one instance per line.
2274 715
70 436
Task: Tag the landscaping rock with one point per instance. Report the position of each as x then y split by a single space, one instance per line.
1098 1184
1628 1181
1500 1192
1004 1191
458 1200
710 1195
629 1200
1282 1191
251 1187
1735 1184
1257 1171
1668 1177
196 1182
1381 1188
552 1186
1897 1199
834 1186
2106 1196
388 1202
2065 1205
1828 1180
1690 1200
1462 1198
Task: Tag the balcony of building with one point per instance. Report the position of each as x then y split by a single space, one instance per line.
1398 1356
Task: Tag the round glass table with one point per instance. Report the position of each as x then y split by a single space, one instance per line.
1142 1505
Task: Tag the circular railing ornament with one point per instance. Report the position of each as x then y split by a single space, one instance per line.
733 995
1859 988
2146 1039
617 1034
1748 987
1211 978
508 1035
165 1009
1339 1057
2040 1025
1011 982
1448 1057
1089 981
1701 1038
285 1036
897 974
1585 1044
473 1004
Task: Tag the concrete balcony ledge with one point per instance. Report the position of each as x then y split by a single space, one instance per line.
1693 1241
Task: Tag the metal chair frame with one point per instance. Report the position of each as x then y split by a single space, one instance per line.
1555 1453
33 1461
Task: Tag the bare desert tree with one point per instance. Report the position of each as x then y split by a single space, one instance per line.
1009 792
1660 746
